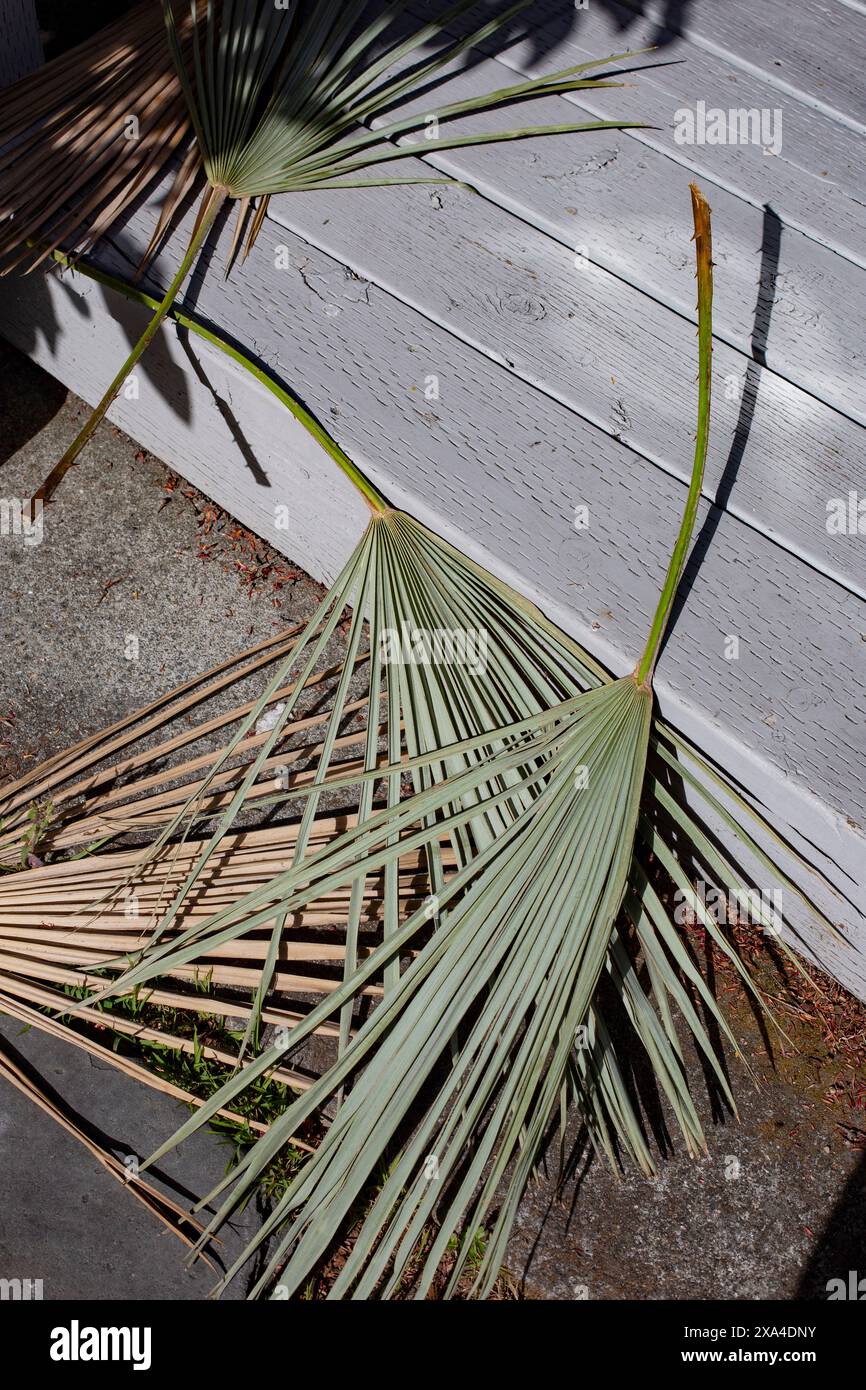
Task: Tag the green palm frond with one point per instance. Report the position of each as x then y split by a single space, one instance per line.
491 813
278 99
528 831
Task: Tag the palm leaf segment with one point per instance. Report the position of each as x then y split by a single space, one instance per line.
85 136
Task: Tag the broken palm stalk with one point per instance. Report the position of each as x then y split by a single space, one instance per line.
547 822
258 98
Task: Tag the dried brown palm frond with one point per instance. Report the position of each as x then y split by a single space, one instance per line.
123 782
61 921
82 138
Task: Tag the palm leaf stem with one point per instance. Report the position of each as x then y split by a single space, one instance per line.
213 201
704 255
260 373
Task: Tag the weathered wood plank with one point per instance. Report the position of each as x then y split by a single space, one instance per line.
814 183
815 50
620 203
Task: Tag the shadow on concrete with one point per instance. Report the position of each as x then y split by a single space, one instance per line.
109 1142
841 1248
29 399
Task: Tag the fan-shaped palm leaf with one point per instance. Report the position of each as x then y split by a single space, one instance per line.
279 98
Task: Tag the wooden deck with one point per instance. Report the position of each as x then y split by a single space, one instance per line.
551 306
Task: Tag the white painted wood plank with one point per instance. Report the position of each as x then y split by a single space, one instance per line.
815 50
621 360
625 205
787 717
815 183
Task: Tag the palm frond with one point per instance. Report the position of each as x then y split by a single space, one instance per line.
526 832
264 99
85 136
368 875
